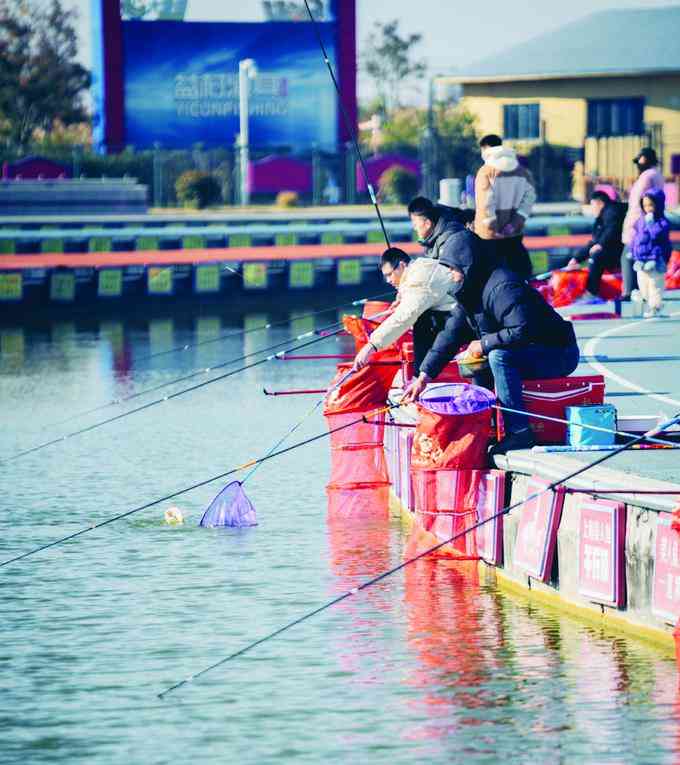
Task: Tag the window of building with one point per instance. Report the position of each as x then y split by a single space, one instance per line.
615 116
521 121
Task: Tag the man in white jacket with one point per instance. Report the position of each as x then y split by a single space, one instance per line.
422 302
504 198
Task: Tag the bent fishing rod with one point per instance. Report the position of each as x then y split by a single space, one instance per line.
254 463
348 124
184 378
385 574
329 331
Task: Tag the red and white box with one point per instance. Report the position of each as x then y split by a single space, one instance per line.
601 543
551 397
666 585
490 504
537 530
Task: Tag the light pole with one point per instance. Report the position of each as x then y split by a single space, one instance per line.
246 71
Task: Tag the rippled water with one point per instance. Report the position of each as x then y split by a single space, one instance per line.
430 665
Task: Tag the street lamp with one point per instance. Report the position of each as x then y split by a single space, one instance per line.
246 71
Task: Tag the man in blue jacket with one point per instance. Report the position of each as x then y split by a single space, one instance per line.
504 319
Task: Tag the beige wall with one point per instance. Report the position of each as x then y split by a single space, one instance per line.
563 107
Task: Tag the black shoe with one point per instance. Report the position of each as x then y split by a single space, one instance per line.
524 439
625 298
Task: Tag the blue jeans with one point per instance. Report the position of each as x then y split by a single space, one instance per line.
510 366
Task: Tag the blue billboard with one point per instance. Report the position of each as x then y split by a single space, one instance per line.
181 84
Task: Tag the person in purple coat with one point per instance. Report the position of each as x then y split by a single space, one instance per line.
650 178
651 248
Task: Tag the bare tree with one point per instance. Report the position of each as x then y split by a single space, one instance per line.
389 61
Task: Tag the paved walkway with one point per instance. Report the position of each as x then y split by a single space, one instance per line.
640 359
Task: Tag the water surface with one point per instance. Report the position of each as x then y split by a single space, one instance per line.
430 665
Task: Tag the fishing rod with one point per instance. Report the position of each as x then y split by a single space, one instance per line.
186 490
160 386
171 396
374 580
348 124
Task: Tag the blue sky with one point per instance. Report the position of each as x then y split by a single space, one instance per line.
455 33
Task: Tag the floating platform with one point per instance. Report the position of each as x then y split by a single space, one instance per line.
38 281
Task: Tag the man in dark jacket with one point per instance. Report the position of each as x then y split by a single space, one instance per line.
503 318
605 248
439 228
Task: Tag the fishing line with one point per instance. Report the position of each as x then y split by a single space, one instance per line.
171 396
348 124
326 393
269 325
197 373
403 564
137 394
180 492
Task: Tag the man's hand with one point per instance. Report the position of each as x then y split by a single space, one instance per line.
361 359
595 249
475 349
416 387
573 265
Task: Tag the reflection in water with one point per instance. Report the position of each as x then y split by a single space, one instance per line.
121 351
453 626
359 550
301 323
207 328
12 348
161 335
64 334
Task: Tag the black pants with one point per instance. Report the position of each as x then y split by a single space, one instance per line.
596 266
510 253
426 328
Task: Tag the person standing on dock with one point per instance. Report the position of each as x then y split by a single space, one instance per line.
422 302
649 179
605 247
504 319
504 198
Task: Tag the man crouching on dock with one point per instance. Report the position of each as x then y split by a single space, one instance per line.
504 319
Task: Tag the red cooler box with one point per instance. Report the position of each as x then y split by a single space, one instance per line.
550 398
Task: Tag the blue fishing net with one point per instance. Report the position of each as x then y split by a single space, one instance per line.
231 507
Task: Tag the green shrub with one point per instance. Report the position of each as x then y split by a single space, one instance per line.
287 199
398 185
195 188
